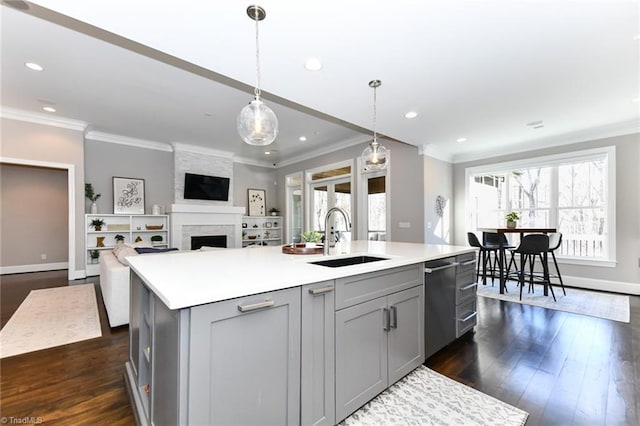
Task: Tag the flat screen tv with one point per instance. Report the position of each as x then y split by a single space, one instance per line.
202 187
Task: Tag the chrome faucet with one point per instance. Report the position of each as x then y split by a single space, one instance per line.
332 210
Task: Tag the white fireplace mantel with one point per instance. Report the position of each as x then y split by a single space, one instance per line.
190 215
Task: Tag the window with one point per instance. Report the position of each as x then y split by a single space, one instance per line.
330 186
294 207
574 193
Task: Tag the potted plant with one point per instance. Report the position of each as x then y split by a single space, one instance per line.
311 238
119 239
94 255
274 211
512 217
97 224
92 196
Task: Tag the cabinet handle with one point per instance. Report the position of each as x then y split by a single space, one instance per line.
254 306
468 317
468 262
385 319
469 287
393 313
321 290
440 268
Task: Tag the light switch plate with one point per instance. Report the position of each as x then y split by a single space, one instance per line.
404 224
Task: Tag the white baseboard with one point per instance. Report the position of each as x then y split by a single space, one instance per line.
39 267
603 285
77 275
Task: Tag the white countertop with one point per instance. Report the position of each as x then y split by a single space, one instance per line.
187 279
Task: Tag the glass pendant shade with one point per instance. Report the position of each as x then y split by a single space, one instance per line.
257 124
374 157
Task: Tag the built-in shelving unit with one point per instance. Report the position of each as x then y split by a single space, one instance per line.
149 229
261 230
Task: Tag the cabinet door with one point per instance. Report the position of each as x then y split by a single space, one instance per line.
361 355
244 361
406 332
317 391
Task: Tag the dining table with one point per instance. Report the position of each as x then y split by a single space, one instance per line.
502 256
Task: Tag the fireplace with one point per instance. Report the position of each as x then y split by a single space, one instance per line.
208 241
194 220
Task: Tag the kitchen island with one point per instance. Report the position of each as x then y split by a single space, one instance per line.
255 336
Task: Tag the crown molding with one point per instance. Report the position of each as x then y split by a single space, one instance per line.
45 119
253 162
125 140
356 140
179 146
585 135
431 150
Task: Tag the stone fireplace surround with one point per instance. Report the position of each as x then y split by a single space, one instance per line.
189 220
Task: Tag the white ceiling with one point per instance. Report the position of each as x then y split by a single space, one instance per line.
475 69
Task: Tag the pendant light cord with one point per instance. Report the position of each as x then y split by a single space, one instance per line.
257 89
375 140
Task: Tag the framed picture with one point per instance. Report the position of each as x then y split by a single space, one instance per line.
257 202
128 195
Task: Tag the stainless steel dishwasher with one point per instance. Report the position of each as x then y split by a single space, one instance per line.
450 300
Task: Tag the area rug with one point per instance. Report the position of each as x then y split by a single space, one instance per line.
425 397
51 317
592 303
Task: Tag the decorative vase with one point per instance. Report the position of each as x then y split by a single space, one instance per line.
99 241
94 208
511 224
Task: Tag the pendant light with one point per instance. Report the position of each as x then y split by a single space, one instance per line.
256 123
374 157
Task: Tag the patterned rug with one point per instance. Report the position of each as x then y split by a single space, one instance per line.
592 303
51 317
425 397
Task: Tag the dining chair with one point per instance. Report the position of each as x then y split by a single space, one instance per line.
500 240
485 252
533 245
555 240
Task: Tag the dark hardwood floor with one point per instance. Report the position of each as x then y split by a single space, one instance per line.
562 368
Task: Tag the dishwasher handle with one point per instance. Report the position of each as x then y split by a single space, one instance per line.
440 268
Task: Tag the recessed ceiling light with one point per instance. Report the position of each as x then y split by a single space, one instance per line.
411 114
534 123
33 66
313 64
461 140
267 153
302 138
49 109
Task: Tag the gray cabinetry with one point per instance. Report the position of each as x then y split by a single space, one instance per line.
379 340
317 382
244 361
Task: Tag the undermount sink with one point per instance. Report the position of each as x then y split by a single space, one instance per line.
346 261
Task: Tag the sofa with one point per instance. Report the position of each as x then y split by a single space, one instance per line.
114 284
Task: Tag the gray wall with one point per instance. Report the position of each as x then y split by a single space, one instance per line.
405 176
27 141
34 215
627 205
438 181
254 177
103 161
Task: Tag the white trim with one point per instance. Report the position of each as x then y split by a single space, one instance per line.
71 200
45 119
587 262
38 267
177 146
253 162
554 160
603 285
602 132
431 150
356 140
125 140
